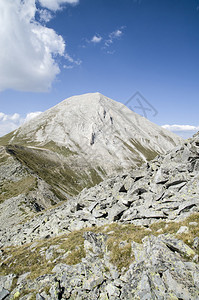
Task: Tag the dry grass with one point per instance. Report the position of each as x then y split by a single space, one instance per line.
9 189
173 227
27 258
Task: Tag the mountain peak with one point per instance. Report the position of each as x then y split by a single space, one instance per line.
104 131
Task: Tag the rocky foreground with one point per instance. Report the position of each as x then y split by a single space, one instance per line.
133 236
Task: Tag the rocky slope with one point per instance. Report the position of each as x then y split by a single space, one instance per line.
133 236
84 138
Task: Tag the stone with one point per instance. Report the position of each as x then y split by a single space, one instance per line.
112 291
3 294
196 242
182 229
39 297
6 281
116 212
193 224
92 282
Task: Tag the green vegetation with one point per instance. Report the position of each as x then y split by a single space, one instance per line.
6 139
3 157
148 153
58 149
9 189
54 170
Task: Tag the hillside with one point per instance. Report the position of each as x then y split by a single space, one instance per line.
133 236
81 140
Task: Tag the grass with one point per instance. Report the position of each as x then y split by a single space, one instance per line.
9 189
121 255
6 139
56 172
27 258
58 149
148 153
173 227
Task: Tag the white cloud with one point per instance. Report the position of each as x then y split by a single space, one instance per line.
68 67
72 60
181 127
56 4
185 131
116 34
96 39
28 49
45 15
9 123
31 116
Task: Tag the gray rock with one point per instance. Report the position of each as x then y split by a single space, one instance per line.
3 294
196 242
92 282
183 229
116 212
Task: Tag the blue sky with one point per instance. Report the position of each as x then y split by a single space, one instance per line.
54 49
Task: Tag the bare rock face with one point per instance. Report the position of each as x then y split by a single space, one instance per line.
98 130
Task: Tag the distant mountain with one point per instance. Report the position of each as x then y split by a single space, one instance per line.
84 138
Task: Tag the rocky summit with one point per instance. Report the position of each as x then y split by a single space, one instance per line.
86 138
133 235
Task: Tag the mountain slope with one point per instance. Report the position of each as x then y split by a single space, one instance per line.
133 236
83 139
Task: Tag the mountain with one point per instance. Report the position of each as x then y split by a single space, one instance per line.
133 236
80 141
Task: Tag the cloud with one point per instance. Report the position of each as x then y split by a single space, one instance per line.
114 35
31 116
29 50
181 127
96 39
185 131
72 62
45 15
56 4
9 123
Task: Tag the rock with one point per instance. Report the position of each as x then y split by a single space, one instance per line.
112 291
176 287
103 296
196 258
182 229
39 297
3 294
193 224
116 212
92 282
196 242
143 289
95 241
6 281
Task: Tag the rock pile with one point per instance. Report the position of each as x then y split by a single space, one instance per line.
166 188
160 195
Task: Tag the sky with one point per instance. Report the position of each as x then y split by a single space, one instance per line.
143 53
